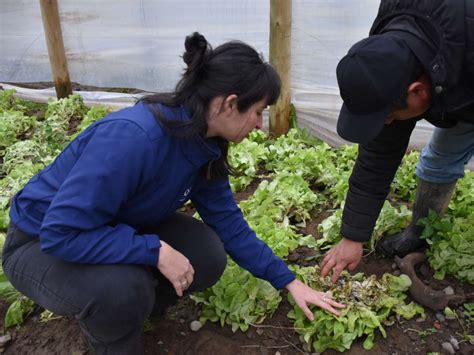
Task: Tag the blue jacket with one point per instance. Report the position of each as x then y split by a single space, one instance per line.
124 173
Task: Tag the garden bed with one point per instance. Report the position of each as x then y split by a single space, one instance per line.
172 334
306 182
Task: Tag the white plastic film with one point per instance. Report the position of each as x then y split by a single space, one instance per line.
138 44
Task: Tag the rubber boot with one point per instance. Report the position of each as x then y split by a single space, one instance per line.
429 195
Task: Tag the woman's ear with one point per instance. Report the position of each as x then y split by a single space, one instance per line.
230 103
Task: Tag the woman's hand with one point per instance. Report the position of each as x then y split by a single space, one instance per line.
304 295
175 267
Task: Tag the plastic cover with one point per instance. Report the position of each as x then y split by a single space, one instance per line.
138 44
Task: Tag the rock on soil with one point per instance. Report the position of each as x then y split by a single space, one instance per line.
195 325
448 347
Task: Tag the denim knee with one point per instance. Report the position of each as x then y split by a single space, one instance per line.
444 158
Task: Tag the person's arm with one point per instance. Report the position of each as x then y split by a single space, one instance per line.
215 203
369 184
114 160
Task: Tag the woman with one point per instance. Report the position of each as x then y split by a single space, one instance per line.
95 234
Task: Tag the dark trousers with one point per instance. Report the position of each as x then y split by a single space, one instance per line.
111 302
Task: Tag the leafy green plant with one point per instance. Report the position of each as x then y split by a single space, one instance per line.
4 220
93 115
20 306
47 316
246 158
281 237
238 299
469 312
313 160
369 301
8 102
15 180
14 125
62 117
286 146
286 195
330 229
19 309
450 241
391 220
405 183
462 203
293 119
25 152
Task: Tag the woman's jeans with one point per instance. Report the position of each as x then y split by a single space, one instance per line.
444 158
111 302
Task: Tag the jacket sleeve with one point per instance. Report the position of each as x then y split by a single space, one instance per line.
79 226
369 184
216 205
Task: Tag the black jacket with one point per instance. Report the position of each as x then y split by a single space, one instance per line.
441 34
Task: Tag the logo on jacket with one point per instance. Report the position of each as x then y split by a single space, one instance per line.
185 194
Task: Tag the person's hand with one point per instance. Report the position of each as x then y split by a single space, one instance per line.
304 295
346 254
175 267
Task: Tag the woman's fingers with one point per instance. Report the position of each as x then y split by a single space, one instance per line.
176 268
335 304
328 308
327 298
178 288
305 295
189 276
325 301
306 311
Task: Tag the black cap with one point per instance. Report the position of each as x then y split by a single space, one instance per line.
371 77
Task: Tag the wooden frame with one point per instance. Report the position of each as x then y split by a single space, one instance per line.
54 40
280 57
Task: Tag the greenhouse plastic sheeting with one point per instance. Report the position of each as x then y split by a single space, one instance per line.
123 43
137 44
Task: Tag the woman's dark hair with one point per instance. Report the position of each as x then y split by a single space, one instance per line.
231 68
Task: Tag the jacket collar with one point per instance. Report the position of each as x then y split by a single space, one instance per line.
437 37
197 149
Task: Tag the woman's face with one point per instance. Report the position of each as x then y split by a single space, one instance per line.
227 122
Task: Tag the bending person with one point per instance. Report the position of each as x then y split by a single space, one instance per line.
417 63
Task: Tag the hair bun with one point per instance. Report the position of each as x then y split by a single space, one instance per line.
196 46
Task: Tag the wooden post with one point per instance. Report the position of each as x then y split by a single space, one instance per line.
54 40
280 58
